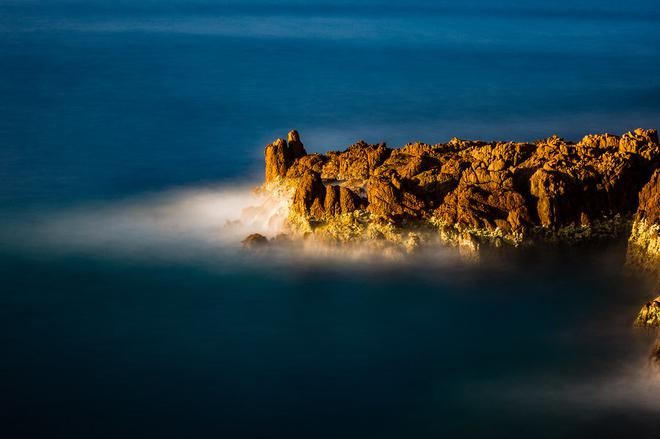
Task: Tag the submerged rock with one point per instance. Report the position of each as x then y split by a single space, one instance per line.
255 240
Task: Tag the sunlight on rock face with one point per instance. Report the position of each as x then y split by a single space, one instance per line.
649 316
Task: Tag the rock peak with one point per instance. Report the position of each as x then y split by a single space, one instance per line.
280 155
293 136
295 145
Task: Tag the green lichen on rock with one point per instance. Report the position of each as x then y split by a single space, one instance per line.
644 244
605 228
362 228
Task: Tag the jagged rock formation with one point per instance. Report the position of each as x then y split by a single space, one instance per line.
280 155
473 191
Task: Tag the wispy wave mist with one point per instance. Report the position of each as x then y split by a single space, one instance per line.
204 225
166 225
523 311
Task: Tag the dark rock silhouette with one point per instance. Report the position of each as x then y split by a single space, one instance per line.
255 240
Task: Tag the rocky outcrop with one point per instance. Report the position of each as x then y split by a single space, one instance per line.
481 192
278 160
255 240
281 155
638 142
295 145
649 316
474 194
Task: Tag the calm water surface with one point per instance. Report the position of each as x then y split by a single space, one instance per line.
114 326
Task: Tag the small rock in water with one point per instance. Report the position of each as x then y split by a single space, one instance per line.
255 240
649 316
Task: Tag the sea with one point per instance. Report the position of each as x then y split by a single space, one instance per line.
131 137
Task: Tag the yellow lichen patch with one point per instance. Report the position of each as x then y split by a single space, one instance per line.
457 234
644 246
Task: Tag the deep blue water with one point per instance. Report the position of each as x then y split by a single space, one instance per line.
110 332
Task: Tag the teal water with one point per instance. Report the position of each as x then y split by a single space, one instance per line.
126 311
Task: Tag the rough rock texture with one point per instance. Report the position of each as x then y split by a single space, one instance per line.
278 160
311 162
644 241
649 316
295 145
309 198
389 195
479 191
316 201
281 154
357 162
